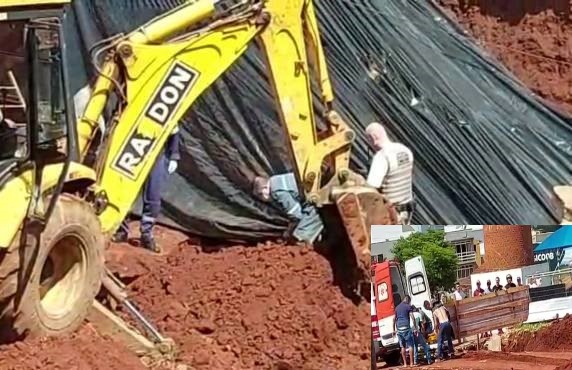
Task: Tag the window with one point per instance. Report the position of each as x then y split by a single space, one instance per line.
382 294
14 74
465 250
51 113
464 271
417 284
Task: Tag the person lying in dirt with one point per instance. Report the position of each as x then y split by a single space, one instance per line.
282 190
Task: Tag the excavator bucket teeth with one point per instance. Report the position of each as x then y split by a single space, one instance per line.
359 209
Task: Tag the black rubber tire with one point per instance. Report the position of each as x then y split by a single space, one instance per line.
392 358
73 225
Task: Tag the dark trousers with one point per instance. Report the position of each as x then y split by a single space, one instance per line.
445 335
151 198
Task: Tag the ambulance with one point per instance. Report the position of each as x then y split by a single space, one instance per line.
389 287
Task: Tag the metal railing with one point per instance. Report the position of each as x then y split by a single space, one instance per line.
466 257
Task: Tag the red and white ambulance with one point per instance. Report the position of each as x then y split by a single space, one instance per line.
390 285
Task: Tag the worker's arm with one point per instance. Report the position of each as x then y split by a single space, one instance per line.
377 171
172 151
394 323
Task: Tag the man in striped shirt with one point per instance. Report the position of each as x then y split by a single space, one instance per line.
391 171
282 190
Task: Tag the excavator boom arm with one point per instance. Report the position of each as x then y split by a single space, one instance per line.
162 76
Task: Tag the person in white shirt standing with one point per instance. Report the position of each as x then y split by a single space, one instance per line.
391 171
458 293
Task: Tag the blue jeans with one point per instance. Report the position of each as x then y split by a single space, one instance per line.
405 337
420 341
445 335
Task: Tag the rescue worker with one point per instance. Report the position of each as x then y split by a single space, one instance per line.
444 331
166 164
509 283
419 337
427 309
306 223
391 171
402 321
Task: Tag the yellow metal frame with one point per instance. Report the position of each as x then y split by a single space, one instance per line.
287 30
17 193
30 3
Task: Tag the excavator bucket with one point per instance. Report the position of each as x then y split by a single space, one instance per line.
359 208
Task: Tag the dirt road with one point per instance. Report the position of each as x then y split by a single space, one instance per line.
550 348
505 361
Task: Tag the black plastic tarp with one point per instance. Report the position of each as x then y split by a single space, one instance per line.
487 151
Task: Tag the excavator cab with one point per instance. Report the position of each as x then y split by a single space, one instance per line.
35 121
51 246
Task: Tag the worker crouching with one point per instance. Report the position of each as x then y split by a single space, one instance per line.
282 190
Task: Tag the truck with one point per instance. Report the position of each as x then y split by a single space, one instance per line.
389 286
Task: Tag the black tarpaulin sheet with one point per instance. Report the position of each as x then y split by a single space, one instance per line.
487 151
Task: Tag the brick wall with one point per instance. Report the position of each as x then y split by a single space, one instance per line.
507 246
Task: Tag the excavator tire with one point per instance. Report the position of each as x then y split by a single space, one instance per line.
48 287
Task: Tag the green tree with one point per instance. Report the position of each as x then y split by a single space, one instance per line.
438 255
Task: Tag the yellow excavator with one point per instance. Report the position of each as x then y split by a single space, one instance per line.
66 183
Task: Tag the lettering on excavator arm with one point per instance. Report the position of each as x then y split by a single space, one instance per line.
174 89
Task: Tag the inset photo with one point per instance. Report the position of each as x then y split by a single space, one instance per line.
471 296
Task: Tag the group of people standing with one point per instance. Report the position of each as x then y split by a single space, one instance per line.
413 327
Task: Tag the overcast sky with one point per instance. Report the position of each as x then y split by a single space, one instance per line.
380 233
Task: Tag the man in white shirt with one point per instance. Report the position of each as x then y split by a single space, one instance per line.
391 171
459 294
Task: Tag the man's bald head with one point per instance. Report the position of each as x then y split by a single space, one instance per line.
377 135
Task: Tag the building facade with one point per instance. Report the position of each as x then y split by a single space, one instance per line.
467 240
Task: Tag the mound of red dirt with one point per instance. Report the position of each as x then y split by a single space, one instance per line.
532 38
269 306
82 350
504 356
557 336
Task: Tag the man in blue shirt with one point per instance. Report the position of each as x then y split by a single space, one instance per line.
401 325
282 190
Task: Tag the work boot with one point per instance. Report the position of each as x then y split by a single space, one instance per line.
120 237
148 242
